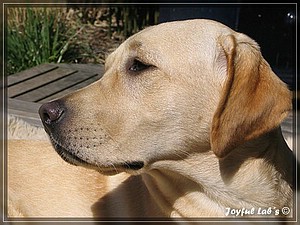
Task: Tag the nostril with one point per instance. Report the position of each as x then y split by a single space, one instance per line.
45 118
50 112
53 114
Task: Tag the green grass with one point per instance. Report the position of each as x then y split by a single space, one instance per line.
36 36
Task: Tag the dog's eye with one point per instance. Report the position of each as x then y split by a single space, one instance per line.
138 66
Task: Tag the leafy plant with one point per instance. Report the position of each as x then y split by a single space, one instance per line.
35 36
70 34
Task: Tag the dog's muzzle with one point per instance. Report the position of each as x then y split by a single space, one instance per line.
53 115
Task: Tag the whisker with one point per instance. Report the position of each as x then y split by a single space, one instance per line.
99 168
114 167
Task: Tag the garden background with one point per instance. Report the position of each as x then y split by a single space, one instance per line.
71 34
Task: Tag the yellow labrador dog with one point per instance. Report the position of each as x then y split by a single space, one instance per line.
189 110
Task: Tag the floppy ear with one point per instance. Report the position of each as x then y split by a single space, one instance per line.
253 99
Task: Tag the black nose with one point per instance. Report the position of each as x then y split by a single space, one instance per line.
51 112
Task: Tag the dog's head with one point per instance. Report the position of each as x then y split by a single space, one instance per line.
170 90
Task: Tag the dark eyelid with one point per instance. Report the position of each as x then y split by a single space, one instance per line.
138 65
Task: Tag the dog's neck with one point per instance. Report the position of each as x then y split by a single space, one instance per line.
203 183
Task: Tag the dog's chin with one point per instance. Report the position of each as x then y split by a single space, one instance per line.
133 167
68 156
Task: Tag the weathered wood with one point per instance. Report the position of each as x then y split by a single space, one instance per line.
55 87
29 88
88 68
30 73
69 90
38 81
27 111
43 81
30 107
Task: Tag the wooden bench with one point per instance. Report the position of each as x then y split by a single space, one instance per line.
28 89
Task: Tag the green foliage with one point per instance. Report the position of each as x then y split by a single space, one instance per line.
35 36
69 34
125 20
135 18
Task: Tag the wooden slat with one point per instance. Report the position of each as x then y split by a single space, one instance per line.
28 117
87 68
30 73
27 111
58 86
44 83
39 81
70 89
30 107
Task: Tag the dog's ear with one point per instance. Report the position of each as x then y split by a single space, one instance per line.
253 99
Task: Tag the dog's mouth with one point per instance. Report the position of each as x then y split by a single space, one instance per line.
68 156
113 169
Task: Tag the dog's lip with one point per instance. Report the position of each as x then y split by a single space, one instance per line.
133 165
129 167
113 169
68 156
